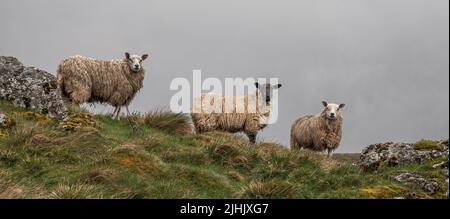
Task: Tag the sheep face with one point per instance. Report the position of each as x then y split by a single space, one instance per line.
266 91
135 61
332 110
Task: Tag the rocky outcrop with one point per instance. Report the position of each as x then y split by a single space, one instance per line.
393 154
430 187
30 88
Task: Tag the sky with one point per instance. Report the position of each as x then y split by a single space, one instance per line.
387 60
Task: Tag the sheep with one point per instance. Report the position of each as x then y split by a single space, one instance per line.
250 118
87 80
319 132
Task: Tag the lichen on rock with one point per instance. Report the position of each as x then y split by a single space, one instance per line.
393 154
428 186
30 88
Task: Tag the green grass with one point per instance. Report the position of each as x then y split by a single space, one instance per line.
427 145
157 156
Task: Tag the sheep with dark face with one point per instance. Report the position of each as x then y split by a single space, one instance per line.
248 114
87 80
319 132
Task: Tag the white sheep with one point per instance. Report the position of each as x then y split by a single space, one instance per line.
116 82
319 132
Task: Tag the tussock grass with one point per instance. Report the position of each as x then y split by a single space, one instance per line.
157 156
76 191
19 135
427 145
268 190
173 123
12 189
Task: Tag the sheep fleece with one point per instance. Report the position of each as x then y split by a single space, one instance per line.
247 121
89 80
316 132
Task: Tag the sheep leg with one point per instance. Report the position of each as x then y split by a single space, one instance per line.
294 144
128 111
329 152
252 138
114 112
118 113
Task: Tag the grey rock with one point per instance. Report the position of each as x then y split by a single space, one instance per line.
445 143
30 88
430 187
5 121
394 154
2 118
443 164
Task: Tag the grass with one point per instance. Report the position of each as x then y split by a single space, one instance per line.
157 156
427 145
174 123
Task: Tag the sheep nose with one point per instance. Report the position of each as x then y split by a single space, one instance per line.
136 66
332 114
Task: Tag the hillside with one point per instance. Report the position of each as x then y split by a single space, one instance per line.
154 156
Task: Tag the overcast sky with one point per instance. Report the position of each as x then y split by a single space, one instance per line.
386 59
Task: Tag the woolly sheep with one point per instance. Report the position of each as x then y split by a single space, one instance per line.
319 132
116 82
241 118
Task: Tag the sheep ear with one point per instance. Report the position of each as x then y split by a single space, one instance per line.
341 105
324 103
256 84
127 55
143 57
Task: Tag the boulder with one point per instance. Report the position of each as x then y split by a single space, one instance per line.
428 186
393 154
30 88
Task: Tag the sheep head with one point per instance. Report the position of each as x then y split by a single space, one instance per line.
332 111
135 61
266 91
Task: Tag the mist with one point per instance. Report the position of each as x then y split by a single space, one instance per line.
387 60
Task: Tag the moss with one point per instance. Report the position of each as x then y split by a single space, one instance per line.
77 121
385 192
2 134
9 59
391 192
427 145
135 158
34 116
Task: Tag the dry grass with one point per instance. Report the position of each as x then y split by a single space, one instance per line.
40 160
268 190
174 123
10 189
